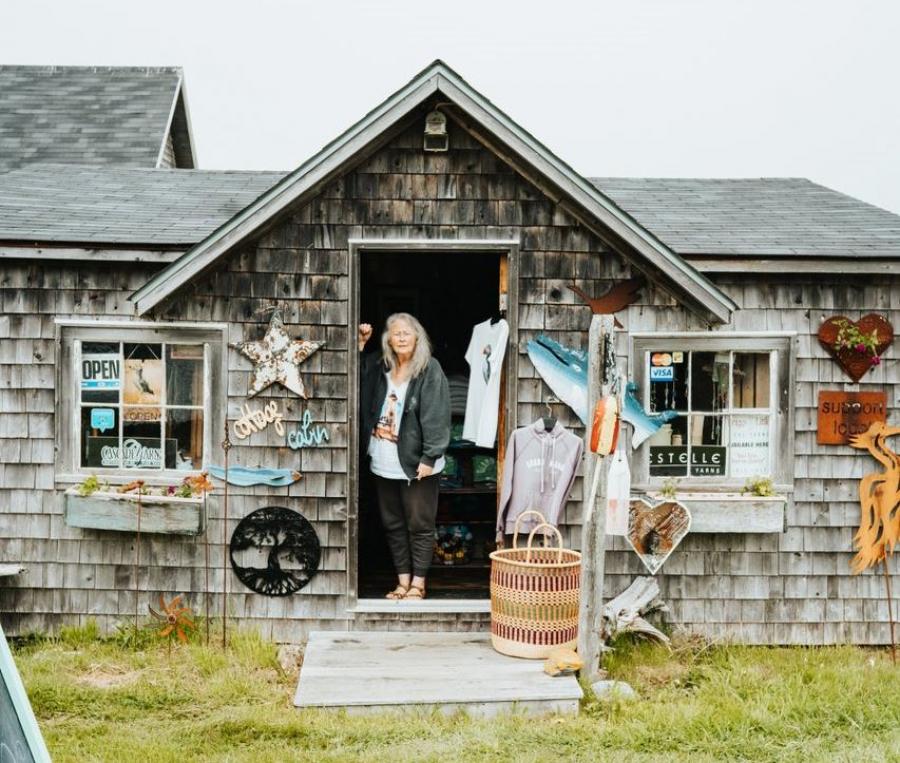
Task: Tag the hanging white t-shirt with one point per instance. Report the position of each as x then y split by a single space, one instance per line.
383 442
485 358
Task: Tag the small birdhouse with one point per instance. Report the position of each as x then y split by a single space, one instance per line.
436 138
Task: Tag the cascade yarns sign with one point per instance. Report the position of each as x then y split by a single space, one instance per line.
277 358
841 415
275 551
654 531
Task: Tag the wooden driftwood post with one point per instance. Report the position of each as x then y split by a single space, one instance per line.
593 528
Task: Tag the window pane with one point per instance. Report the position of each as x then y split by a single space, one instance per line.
184 439
142 447
100 437
668 449
184 374
708 454
749 446
709 381
667 375
143 374
101 372
751 380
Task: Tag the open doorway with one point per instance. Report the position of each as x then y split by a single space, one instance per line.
449 292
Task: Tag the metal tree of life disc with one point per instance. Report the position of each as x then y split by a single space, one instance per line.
275 551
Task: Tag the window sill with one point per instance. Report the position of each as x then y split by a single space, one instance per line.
165 515
732 512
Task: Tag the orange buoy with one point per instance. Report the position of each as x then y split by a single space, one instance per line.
605 430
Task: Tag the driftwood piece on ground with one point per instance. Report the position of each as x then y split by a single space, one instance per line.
624 613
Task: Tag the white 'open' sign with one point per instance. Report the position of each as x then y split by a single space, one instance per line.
100 371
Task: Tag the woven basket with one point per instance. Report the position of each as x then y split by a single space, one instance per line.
534 596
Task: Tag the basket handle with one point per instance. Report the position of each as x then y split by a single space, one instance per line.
519 519
558 538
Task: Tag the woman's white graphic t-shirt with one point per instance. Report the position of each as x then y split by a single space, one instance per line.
383 442
485 357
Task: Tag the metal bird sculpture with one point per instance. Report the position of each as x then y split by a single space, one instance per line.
618 297
879 496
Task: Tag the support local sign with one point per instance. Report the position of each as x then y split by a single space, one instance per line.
844 414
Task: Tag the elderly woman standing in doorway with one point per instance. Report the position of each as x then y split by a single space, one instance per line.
406 417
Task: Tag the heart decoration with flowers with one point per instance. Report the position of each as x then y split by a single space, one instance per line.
856 346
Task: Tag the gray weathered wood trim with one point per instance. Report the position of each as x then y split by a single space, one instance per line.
353 464
69 333
787 265
356 247
783 343
168 126
286 192
593 519
87 254
695 287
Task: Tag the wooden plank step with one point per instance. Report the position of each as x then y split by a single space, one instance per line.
376 671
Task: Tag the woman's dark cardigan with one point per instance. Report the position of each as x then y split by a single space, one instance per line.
425 424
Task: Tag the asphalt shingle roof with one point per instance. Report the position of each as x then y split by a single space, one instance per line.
77 204
765 217
84 114
769 217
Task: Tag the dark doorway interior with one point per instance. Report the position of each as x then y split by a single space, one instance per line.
449 292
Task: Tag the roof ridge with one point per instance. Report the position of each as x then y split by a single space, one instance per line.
107 170
53 68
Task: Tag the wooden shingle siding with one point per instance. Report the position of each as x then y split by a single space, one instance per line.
772 588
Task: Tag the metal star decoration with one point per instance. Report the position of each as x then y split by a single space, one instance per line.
277 358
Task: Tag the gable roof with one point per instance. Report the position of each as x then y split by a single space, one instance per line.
585 201
761 217
112 116
105 205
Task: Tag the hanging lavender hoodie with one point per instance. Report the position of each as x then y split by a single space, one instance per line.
538 474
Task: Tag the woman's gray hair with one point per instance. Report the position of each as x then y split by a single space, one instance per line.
421 354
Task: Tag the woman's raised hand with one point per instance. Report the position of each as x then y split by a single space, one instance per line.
365 333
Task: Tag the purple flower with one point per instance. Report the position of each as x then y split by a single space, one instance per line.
876 361
860 347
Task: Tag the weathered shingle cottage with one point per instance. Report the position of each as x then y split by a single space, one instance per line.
108 257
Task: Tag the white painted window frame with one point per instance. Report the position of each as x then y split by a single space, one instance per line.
783 349
69 336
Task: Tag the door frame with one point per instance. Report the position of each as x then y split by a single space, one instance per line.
356 247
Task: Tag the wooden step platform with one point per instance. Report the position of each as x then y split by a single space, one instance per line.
366 672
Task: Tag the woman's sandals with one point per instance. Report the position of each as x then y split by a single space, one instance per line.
415 592
398 593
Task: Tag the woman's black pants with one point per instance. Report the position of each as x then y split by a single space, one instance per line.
408 510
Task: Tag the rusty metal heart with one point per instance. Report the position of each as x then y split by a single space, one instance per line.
655 530
855 364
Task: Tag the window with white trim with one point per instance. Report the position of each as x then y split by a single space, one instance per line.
728 402
139 400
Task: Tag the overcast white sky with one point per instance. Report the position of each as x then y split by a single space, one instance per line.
680 88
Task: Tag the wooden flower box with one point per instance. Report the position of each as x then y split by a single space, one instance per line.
732 512
119 511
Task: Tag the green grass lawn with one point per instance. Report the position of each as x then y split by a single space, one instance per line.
101 701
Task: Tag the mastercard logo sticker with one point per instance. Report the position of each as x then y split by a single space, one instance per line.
661 359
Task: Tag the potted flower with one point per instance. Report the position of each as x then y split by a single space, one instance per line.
857 346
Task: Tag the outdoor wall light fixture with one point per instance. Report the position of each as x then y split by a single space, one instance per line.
436 138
